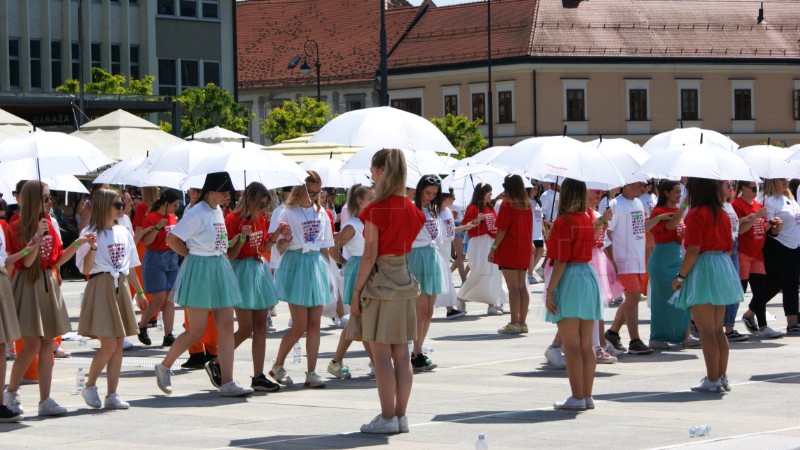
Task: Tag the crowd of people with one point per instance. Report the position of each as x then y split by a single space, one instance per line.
691 247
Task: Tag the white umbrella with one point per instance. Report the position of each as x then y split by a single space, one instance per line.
626 156
116 174
482 157
246 166
68 183
464 179
384 127
769 162
217 134
688 136
559 157
417 164
168 166
330 171
38 155
699 161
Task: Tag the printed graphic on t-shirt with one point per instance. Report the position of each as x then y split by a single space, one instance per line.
734 223
221 242
637 224
449 228
600 240
311 230
795 211
681 229
537 214
117 253
256 238
760 228
432 227
490 220
46 247
168 229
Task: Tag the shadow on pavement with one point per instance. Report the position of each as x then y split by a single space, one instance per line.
550 372
352 440
756 343
660 397
785 378
350 353
460 319
479 337
662 356
521 416
205 399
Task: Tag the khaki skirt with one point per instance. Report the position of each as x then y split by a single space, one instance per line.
9 325
388 309
107 311
40 314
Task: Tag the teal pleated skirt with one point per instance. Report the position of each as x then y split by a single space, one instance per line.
712 279
255 284
206 282
577 295
302 279
350 273
423 263
667 323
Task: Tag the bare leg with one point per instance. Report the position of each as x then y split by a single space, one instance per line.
108 345
343 345
569 330
30 348
424 309
2 367
404 378
155 305
114 367
588 357
704 317
259 350
299 324
458 246
631 308
312 337
225 347
386 377
45 368
198 318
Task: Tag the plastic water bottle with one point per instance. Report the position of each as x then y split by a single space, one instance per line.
297 353
160 322
481 443
427 349
80 380
410 347
699 430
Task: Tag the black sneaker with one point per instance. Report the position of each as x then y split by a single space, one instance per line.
195 361
214 373
455 314
794 329
210 357
637 347
9 416
750 323
735 336
693 329
263 384
144 338
614 339
168 340
421 363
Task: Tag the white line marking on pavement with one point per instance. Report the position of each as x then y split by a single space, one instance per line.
726 438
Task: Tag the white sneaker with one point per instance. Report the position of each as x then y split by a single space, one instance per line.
571 404
339 370
724 383
402 424
164 379
611 350
707 385
589 402
278 373
494 311
126 344
91 397
510 328
344 320
555 357
380 425
49 407
12 401
114 401
313 380
603 357
768 333
232 389
270 325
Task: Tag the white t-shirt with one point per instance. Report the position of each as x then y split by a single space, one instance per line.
538 216
344 215
447 225
734 220
125 221
3 249
203 230
115 254
549 210
789 213
311 229
497 205
274 221
458 213
649 203
56 226
430 234
355 246
627 233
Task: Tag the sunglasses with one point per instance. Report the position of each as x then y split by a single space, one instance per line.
264 205
119 205
312 193
432 181
752 188
47 198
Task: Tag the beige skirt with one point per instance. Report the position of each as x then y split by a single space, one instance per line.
107 311
40 313
388 308
9 325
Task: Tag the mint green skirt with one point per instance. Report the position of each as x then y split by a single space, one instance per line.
302 279
712 280
577 295
206 282
423 263
255 284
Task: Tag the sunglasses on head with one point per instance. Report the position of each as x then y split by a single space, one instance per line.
431 181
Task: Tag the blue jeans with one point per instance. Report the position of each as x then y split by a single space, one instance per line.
731 310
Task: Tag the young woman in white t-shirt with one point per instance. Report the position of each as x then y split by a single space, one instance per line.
782 248
534 193
106 311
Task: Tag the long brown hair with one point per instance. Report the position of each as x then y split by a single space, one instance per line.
150 195
573 197
477 196
515 192
253 194
30 213
393 163
705 192
102 208
298 192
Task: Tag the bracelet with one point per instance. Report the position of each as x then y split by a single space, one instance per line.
680 278
76 244
660 217
156 227
684 205
25 252
138 293
241 238
494 246
603 220
94 249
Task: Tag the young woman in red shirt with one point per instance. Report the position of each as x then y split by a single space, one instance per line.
511 250
707 279
383 302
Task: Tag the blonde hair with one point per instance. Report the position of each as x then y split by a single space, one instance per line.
252 195
101 208
771 189
298 192
150 195
573 197
393 163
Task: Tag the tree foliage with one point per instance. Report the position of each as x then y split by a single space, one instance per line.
106 83
292 119
462 133
210 106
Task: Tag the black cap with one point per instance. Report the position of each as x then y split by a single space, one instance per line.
218 182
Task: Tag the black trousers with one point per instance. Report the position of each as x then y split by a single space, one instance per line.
782 265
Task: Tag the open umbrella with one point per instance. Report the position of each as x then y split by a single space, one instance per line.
699 161
217 134
688 136
41 154
168 166
11 125
418 163
626 156
329 170
482 157
116 174
121 135
247 165
770 162
464 179
384 127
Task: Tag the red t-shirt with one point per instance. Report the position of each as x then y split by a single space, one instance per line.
330 220
751 243
398 222
253 248
712 234
571 240
160 241
661 235
139 215
514 251
487 226
50 250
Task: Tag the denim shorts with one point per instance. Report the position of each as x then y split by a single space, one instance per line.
159 270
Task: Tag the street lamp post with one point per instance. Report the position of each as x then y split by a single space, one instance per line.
311 49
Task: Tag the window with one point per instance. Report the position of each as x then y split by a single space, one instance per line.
75 60
637 99
690 106
116 59
211 73
412 105
479 106
55 64
504 107
211 9
36 63
166 7
135 61
190 77
188 8
451 105
576 105
13 62
742 104
354 101
796 97
97 59
167 79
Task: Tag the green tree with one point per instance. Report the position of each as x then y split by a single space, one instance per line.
210 106
106 83
292 119
462 133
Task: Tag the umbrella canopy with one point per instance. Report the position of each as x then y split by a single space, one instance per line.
482 157
168 166
688 136
246 166
300 149
39 155
217 134
417 164
11 125
384 127
119 119
116 174
626 156
330 171
121 135
769 162
699 161
464 179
